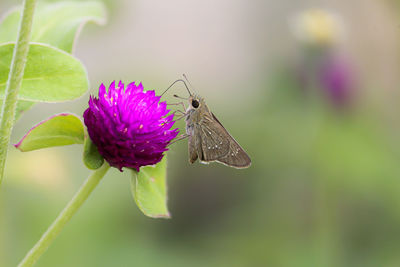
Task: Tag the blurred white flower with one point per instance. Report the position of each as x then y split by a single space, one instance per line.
317 27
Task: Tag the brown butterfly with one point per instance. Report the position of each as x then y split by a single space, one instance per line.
208 140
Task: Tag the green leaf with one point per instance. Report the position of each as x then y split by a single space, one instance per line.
149 190
22 106
58 130
51 75
91 156
57 24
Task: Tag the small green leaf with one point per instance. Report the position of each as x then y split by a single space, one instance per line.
22 106
58 130
57 24
91 156
51 75
149 190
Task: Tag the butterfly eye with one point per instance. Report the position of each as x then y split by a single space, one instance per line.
195 103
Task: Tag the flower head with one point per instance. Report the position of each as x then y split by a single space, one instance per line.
317 27
337 79
129 126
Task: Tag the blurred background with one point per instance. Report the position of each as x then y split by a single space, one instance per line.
308 88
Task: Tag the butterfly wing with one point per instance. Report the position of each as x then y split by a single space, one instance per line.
192 149
217 144
237 157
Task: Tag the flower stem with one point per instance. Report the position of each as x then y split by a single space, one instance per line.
14 80
71 208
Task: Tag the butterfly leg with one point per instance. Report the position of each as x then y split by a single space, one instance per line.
183 115
177 104
181 137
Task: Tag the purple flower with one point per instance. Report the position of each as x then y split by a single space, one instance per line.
337 78
130 127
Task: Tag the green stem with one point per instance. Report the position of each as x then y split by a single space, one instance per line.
14 80
326 232
56 227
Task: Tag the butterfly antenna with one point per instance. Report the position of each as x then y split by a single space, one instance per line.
180 97
185 77
180 80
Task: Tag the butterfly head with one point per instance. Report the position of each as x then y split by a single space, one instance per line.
195 101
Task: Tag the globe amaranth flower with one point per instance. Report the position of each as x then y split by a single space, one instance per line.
129 126
337 78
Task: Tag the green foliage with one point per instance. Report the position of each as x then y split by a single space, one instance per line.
57 24
91 156
21 107
357 150
51 75
59 130
150 191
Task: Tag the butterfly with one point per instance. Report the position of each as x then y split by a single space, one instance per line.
208 140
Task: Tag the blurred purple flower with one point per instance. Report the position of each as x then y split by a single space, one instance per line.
336 78
130 127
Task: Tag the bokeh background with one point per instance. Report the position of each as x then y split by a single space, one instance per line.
309 88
